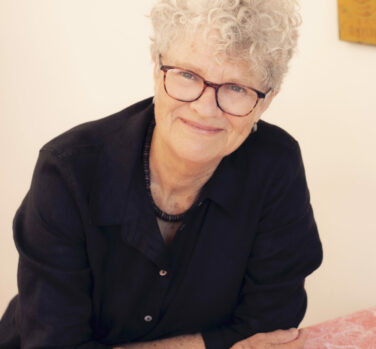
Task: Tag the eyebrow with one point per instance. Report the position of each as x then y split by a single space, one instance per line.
198 70
189 66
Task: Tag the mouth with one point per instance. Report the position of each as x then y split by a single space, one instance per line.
206 129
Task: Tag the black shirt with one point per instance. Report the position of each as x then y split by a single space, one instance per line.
94 270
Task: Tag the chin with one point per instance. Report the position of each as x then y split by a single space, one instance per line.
199 155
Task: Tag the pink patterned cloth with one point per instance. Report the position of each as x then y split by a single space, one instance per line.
353 331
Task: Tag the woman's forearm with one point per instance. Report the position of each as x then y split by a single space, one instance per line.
192 341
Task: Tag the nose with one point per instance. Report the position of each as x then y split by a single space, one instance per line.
206 105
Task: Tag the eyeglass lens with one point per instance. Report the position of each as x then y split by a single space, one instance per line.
187 86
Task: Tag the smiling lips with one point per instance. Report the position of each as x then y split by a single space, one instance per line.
201 128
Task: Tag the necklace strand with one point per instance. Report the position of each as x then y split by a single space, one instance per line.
158 212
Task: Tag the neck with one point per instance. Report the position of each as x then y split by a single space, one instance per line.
172 176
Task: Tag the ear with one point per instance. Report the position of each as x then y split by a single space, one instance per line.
268 100
156 63
157 74
265 103
155 67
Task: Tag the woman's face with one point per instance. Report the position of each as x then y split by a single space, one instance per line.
199 131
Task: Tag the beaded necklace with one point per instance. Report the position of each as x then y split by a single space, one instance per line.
157 211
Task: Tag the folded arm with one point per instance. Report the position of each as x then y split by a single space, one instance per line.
290 339
285 251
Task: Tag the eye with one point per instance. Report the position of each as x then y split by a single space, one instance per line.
237 89
187 75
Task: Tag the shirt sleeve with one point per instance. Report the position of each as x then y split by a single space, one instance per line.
53 308
286 249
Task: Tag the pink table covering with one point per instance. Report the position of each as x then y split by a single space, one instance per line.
353 331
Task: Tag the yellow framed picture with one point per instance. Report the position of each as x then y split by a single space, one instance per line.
357 21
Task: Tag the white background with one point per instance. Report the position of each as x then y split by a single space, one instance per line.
63 62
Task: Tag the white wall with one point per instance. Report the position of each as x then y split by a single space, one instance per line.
63 62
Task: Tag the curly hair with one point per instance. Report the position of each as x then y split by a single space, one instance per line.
262 33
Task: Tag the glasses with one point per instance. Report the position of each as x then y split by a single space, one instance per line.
187 86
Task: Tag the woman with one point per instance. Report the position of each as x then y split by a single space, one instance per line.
182 221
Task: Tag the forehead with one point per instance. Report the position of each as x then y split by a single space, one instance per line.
199 55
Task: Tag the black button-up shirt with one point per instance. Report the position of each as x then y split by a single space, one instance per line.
94 270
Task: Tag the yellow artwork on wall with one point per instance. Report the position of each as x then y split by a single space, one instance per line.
357 20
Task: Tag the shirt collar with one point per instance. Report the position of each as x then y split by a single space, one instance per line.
229 181
118 163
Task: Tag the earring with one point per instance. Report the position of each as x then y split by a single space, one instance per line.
254 128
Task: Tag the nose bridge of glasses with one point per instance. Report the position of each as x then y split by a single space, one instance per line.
213 85
208 100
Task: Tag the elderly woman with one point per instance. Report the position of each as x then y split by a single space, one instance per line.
182 221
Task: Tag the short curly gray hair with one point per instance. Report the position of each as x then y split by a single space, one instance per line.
262 33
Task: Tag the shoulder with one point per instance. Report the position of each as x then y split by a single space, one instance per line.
89 164
260 171
275 138
270 148
95 134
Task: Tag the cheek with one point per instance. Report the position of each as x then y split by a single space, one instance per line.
161 103
158 88
165 108
240 129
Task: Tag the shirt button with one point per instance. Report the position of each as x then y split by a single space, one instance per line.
148 318
182 227
200 204
162 272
